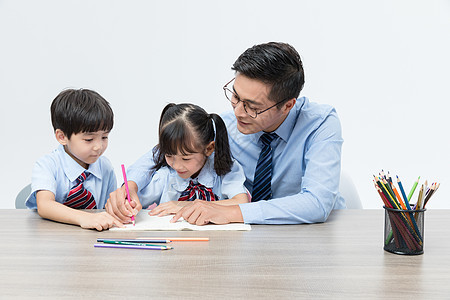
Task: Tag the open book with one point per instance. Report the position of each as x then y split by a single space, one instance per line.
146 222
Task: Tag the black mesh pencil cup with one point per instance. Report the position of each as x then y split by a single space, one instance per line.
403 231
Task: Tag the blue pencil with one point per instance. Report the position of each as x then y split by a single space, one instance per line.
400 185
132 247
137 241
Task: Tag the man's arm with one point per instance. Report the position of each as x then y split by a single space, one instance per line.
319 187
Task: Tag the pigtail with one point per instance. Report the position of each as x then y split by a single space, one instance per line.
158 157
222 154
165 109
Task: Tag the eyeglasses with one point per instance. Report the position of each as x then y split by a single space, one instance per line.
234 99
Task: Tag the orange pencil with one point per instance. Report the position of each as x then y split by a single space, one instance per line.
398 197
179 239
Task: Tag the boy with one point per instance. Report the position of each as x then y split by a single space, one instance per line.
75 175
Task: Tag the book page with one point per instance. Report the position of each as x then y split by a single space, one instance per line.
146 222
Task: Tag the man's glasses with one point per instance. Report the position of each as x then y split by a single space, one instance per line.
234 99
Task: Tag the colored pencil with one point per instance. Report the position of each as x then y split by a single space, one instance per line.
137 240
398 197
411 192
408 223
408 207
128 191
389 189
132 243
404 231
132 247
181 239
386 193
419 198
432 190
400 185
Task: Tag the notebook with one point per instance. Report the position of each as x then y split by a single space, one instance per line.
146 222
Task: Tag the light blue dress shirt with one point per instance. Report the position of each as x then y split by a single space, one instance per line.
306 165
57 172
166 185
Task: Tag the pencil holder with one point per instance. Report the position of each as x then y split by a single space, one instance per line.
403 231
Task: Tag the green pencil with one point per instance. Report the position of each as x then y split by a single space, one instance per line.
413 188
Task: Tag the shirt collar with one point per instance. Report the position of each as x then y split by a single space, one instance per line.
284 131
206 176
72 169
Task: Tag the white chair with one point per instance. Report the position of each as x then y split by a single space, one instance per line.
349 192
22 196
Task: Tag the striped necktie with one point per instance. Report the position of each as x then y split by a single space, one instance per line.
79 197
197 191
262 189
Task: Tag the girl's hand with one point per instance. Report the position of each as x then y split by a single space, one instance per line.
99 221
119 207
171 207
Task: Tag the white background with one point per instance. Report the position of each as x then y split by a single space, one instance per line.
384 65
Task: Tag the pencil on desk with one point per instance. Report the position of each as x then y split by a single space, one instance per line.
128 191
132 247
137 240
133 243
181 239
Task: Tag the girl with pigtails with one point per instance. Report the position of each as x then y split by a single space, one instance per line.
192 161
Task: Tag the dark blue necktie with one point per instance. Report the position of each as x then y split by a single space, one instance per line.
262 188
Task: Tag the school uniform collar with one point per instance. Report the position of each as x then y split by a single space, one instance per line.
206 177
72 169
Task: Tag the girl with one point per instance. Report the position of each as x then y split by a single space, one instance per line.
192 161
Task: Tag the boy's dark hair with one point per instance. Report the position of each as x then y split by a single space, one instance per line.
188 128
74 111
276 64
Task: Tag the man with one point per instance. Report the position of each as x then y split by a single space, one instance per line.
290 148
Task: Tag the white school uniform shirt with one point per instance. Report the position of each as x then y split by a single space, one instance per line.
165 184
57 172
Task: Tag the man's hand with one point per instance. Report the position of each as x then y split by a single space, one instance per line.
118 206
203 212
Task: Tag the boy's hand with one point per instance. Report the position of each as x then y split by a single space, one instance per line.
99 221
171 207
118 206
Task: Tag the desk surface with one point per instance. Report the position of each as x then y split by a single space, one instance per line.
342 258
